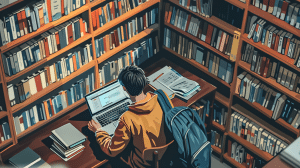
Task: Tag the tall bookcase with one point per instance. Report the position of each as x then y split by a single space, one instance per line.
90 37
253 111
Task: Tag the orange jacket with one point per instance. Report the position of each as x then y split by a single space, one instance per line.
143 124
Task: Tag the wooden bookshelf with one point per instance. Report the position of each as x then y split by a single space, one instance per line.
218 126
272 82
233 162
237 3
274 20
197 65
222 99
5 143
216 149
3 114
198 41
213 19
282 58
127 43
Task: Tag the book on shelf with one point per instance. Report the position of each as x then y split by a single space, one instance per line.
220 114
34 16
256 135
202 108
67 141
174 83
216 139
223 70
27 158
44 110
242 156
203 8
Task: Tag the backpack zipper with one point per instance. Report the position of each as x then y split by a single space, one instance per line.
176 115
199 150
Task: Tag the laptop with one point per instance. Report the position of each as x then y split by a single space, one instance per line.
107 104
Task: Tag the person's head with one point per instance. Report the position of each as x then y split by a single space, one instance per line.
133 79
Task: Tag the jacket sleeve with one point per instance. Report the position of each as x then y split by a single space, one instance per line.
112 146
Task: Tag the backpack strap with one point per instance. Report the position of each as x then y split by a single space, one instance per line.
163 101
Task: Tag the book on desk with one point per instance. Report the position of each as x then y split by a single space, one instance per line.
173 83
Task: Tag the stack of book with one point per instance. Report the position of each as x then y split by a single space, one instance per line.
49 42
203 7
256 135
5 133
110 70
112 10
229 13
267 67
279 40
220 113
239 154
284 10
34 16
67 141
216 65
28 158
253 90
216 139
48 108
125 32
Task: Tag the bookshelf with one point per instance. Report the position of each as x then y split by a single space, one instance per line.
89 38
258 113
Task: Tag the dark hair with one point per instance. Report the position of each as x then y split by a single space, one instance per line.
133 79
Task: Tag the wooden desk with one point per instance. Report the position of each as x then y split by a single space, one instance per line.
92 156
277 162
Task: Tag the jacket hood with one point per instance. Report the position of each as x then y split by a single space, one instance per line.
145 106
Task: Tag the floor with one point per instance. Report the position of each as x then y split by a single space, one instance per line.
215 163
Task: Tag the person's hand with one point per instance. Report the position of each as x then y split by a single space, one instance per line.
94 126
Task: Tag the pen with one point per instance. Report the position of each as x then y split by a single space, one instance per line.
158 77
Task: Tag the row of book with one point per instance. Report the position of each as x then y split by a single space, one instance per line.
34 16
5 133
217 38
285 10
220 113
51 106
239 154
203 7
216 139
112 10
253 90
265 67
50 42
50 74
255 134
190 50
202 108
146 49
276 39
125 32
229 13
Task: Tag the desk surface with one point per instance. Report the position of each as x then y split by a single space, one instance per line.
79 117
277 162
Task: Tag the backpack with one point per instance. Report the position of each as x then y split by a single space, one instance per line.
188 130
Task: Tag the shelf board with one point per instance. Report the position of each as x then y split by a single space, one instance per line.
282 58
44 122
124 17
218 126
127 43
197 65
233 162
6 143
3 114
43 29
10 5
41 62
216 149
274 20
222 99
52 87
262 154
272 82
197 40
238 108
213 20
237 3
95 3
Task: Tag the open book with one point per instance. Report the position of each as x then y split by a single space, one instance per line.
172 82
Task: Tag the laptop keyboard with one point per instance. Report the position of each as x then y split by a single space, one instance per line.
112 115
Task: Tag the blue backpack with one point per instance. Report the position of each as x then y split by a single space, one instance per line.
189 132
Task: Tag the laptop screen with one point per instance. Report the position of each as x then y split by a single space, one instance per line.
105 97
